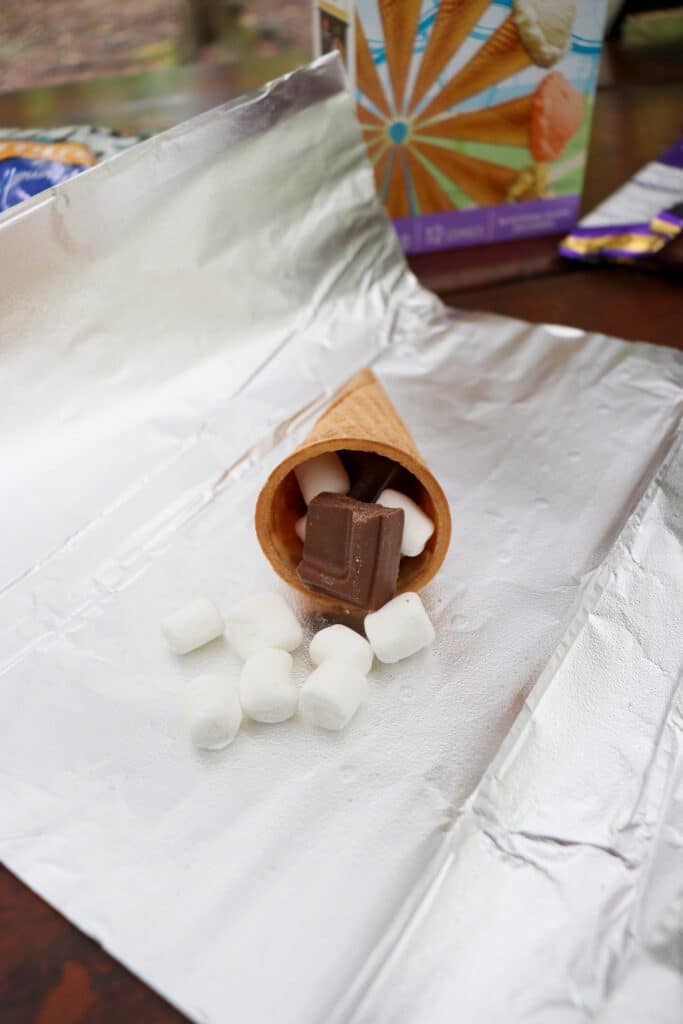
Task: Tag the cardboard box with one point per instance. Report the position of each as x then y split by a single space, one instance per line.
476 114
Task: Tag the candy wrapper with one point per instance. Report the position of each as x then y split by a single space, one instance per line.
32 160
638 221
497 834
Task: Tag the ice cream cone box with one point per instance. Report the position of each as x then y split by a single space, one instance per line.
476 114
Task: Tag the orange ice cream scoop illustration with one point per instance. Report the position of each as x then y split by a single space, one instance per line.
556 115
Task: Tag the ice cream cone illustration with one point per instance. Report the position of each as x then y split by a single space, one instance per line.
367 72
531 182
486 182
454 21
429 194
413 175
505 123
535 33
399 22
361 418
397 195
543 122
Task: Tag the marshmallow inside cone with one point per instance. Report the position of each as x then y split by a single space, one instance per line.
324 473
417 527
300 528
360 420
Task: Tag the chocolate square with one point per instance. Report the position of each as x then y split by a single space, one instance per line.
371 474
352 550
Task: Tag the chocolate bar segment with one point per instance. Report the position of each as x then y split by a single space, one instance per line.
352 550
371 474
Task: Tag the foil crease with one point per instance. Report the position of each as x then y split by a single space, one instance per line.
498 835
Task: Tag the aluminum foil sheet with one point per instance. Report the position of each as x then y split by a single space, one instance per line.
497 836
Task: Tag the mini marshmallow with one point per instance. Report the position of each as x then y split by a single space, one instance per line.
399 629
192 626
263 620
332 694
417 527
212 712
300 528
323 473
266 690
339 643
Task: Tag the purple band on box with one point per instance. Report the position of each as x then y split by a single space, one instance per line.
457 228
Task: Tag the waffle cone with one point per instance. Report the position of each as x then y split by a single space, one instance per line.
454 21
502 55
507 124
361 418
430 196
485 182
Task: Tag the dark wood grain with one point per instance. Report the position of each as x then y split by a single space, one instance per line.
50 973
620 301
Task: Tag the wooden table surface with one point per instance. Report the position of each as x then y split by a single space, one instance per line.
50 973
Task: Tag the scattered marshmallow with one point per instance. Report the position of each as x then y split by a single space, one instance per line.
192 626
266 690
300 528
212 712
332 694
399 629
339 643
417 527
323 473
263 620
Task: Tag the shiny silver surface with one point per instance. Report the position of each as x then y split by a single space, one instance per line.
497 836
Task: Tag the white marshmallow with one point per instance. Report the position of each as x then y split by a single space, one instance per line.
339 643
417 527
332 694
300 528
399 629
263 620
212 711
192 626
266 690
323 473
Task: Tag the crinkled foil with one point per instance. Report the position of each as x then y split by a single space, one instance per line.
497 836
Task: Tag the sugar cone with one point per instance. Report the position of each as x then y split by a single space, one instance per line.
430 196
368 79
507 124
396 201
454 21
399 25
502 55
487 183
361 418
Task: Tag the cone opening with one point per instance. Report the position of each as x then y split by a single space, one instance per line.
283 505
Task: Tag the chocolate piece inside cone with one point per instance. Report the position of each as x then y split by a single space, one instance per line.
371 474
352 550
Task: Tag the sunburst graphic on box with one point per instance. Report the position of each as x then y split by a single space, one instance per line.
409 127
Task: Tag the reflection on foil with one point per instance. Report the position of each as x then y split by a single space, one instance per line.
497 836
